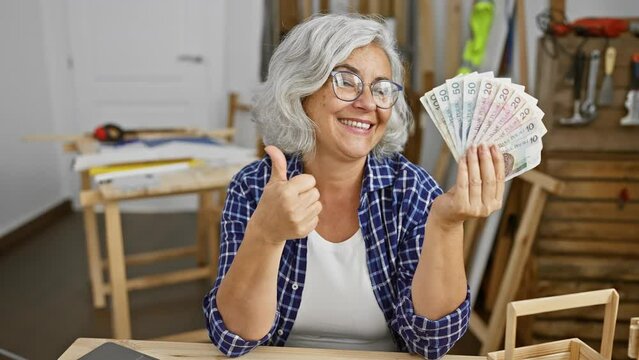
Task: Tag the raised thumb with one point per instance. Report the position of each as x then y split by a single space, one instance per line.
278 163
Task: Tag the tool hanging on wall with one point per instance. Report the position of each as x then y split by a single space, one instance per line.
605 93
591 27
481 20
576 118
632 99
588 107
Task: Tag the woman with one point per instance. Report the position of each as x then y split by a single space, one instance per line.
342 242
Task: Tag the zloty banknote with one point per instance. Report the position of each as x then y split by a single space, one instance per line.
430 103
524 115
504 94
525 138
469 99
531 129
521 160
441 94
517 101
454 87
487 93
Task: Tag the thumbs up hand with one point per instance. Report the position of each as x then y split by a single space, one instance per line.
288 209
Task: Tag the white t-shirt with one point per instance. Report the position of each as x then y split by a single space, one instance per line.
338 309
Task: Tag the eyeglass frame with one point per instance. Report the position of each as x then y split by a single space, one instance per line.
370 86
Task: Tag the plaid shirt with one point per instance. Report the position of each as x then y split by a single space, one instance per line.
395 200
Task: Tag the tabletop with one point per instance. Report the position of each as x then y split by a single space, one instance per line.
191 351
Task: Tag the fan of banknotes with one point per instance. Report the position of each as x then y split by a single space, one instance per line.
479 108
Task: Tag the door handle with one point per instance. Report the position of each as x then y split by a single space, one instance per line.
196 59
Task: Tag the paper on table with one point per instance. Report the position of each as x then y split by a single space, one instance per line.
214 154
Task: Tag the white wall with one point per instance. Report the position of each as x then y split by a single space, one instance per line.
30 172
243 44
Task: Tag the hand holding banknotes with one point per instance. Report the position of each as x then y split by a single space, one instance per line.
473 109
478 190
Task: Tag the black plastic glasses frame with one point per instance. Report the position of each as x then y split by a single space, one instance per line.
370 86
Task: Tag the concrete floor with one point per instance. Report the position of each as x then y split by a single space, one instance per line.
45 299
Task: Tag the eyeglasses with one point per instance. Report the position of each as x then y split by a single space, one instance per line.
348 86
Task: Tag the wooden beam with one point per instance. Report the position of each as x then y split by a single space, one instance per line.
426 37
155 256
558 7
453 37
523 43
400 12
518 258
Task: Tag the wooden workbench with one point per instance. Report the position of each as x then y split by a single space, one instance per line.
185 351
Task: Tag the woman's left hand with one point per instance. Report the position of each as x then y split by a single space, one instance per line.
478 191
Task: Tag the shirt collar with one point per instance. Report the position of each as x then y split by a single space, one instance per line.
378 174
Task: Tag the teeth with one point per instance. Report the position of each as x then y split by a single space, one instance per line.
356 124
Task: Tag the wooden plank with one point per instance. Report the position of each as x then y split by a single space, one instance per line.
453 37
522 43
552 246
204 216
478 327
611 140
120 316
589 169
554 350
400 12
169 278
558 6
155 256
546 182
591 210
426 37
606 297
306 8
503 244
582 229
628 291
587 268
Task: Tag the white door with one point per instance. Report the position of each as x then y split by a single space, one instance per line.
147 63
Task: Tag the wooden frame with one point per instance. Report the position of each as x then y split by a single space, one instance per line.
572 349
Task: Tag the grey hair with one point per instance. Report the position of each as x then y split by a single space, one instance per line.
302 63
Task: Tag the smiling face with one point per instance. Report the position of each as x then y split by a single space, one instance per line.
350 130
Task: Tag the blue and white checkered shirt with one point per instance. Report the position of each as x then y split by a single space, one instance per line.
395 201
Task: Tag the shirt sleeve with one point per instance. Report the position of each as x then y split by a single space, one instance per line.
429 338
237 211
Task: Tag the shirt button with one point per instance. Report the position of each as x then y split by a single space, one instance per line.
295 286
280 332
